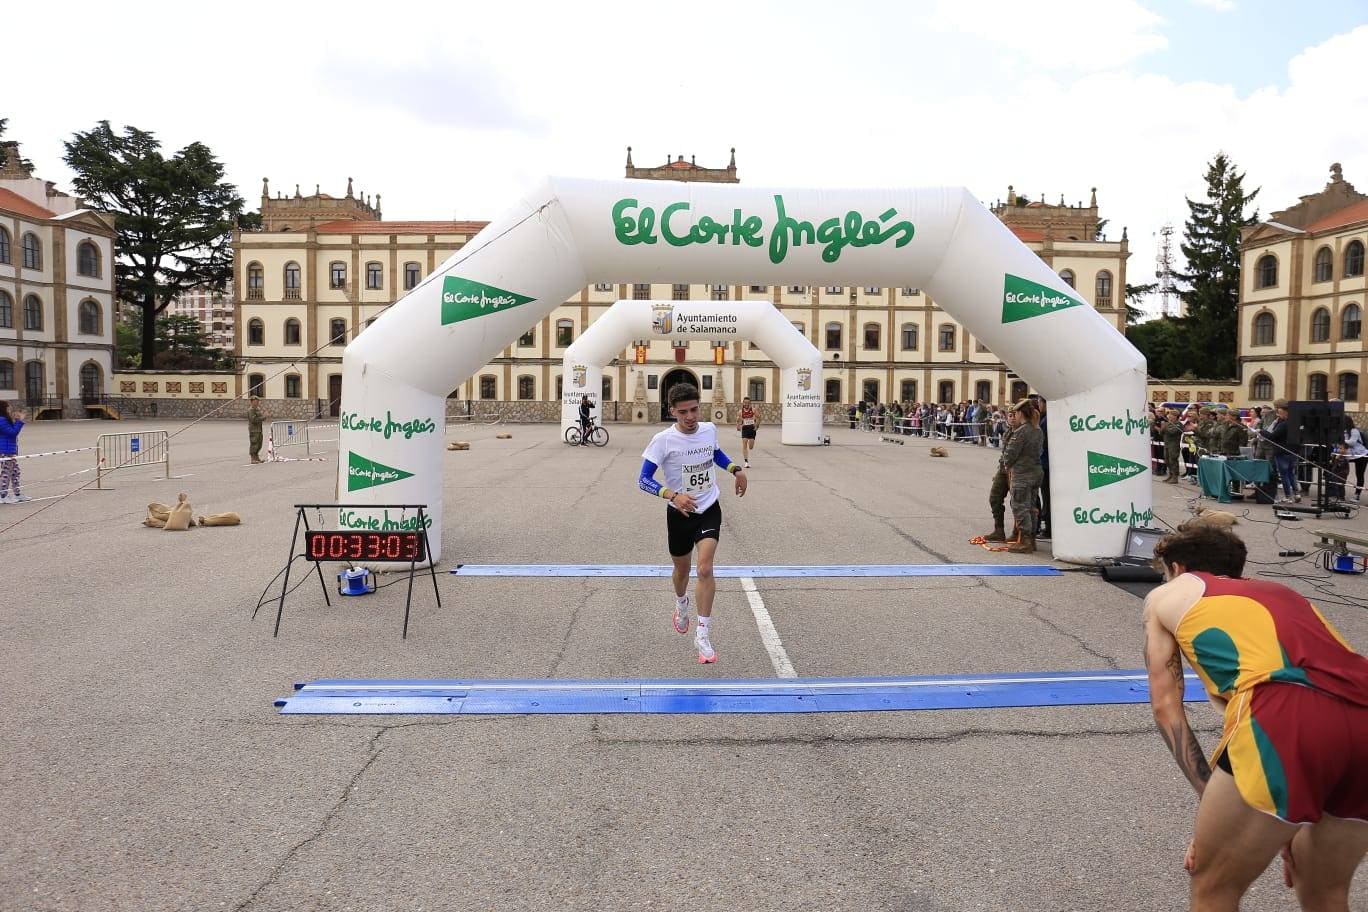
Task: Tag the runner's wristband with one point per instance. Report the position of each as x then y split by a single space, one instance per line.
733 468
668 494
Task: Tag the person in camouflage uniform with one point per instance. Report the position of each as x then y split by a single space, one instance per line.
1172 433
1233 433
1207 435
1021 458
254 419
997 494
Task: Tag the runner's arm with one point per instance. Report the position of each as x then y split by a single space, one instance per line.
1164 663
724 462
648 483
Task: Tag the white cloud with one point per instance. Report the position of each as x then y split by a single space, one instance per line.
1220 6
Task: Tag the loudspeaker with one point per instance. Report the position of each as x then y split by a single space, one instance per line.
1314 423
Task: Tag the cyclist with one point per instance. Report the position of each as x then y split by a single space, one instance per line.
586 419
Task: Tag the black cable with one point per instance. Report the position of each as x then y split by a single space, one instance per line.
263 600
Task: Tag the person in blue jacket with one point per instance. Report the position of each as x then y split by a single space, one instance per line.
10 426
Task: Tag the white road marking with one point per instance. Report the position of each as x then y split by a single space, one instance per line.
768 635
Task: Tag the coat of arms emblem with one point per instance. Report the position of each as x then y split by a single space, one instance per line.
805 378
578 375
662 318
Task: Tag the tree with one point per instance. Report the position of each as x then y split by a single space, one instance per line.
1211 246
1166 344
1135 297
182 344
174 216
23 161
128 343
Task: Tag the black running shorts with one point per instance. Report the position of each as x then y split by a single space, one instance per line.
748 432
687 529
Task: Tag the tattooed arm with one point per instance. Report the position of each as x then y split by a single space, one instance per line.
1164 663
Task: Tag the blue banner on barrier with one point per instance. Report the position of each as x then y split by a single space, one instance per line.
760 695
760 572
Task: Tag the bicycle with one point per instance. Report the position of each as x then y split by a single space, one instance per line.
598 435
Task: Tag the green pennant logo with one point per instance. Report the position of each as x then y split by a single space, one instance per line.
1023 299
1104 470
367 473
463 299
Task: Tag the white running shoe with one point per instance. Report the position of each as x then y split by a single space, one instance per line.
681 615
745 464
706 654
9 499
22 498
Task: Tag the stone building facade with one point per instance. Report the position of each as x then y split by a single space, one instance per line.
1302 296
56 295
323 267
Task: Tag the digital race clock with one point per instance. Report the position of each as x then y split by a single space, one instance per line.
357 545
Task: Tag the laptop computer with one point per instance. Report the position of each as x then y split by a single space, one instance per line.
1139 551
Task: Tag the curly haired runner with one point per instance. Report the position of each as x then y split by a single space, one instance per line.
687 451
1292 763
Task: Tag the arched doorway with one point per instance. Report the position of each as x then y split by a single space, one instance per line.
92 383
678 375
1019 390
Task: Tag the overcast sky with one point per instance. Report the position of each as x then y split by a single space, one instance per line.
451 110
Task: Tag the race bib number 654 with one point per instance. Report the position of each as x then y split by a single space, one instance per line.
697 478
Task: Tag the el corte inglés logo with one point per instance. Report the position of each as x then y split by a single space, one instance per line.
1023 299
367 473
463 299
1104 470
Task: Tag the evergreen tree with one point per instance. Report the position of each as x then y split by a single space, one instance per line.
174 217
182 344
24 161
1211 246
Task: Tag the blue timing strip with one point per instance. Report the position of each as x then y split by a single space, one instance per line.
770 572
762 695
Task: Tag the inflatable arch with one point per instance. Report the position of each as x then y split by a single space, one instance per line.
567 233
798 359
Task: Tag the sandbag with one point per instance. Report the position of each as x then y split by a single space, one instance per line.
181 516
221 519
939 451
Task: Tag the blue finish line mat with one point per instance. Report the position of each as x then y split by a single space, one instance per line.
771 572
759 695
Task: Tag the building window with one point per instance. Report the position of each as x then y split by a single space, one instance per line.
833 289
256 385
652 381
1348 386
755 388
1265 329
1104 289
6 375
4 246
87 259
801 327
947 392
641 292
413 274
89 318
871 336
909 391
488 386
1068 276
337 275
1019 390
292 276
603 286
292 386
606 389
1351 323
1353 259
292 331
872 289
337 331
1320 325
565 332
871 390
983 390
527 388
793 289
761 289
833 335
256 282
256 332
6 311
679 292
1315 387
946 337
720 293
833 389
33 313
1266 272
528 339
707 381
32 250
911 292
1261 388
375 276
1324 269
34 381
560 388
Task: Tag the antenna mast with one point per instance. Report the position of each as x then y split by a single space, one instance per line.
1163 271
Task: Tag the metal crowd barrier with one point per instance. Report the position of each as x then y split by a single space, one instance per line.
298 433
123 451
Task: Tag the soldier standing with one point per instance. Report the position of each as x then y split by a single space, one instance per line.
1021 458
997 494
1172 432
254 418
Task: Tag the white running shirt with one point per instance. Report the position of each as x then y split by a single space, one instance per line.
687 461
